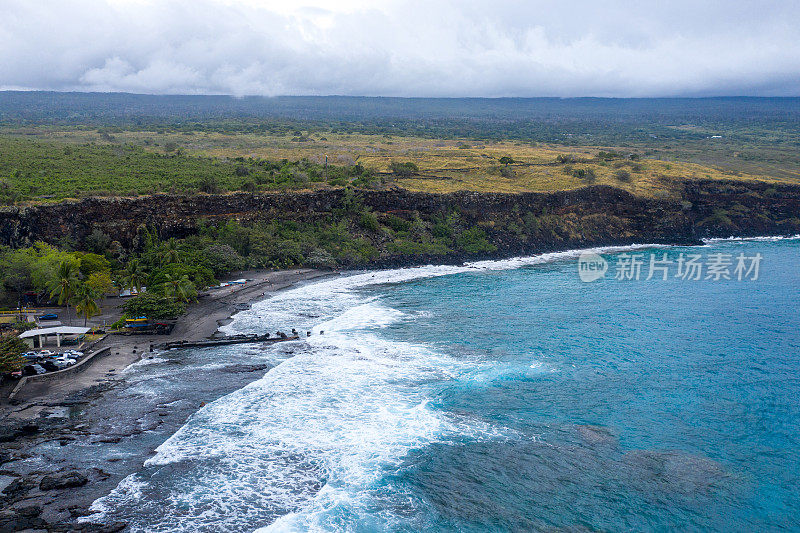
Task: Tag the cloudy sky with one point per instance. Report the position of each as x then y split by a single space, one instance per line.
403 47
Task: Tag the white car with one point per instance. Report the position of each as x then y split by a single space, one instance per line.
63 362
45 353
73 353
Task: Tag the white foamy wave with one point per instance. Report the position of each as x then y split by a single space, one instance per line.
365 316
143 362
520 262
765 238
313 438
489 373
306 306
128 490
315 433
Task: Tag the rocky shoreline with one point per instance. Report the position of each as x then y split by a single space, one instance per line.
67 442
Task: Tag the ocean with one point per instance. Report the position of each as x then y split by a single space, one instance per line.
502 396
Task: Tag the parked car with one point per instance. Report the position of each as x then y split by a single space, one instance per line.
16 374
73 353
32 370
48 316
50 366
45 353
63 362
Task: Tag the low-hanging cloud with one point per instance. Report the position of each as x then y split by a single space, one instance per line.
403 47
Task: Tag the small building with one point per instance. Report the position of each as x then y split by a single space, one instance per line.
60 332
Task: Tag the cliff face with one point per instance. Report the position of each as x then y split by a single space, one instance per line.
514 223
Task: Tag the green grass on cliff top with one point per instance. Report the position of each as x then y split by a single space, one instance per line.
53 165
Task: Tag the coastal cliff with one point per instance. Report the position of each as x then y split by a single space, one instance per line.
513 224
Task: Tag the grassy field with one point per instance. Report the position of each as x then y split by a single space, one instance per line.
41 162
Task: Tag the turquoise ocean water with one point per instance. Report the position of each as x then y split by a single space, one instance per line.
502 396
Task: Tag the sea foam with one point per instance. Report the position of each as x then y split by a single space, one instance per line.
308 444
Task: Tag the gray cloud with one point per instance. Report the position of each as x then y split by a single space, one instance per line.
403 47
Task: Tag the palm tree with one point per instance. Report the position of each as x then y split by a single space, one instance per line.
64 283
169 252
134 277
180 288
86 304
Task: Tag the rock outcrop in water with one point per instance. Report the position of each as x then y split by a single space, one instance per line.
514 223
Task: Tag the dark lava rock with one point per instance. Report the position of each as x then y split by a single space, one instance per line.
29 429
16 522
63 481
77 511
22 518
8 434
241 369
30 510
17 488
100 528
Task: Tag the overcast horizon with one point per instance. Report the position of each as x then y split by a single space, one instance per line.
402 48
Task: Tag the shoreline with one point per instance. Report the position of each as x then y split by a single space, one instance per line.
202 320
70 410
95 387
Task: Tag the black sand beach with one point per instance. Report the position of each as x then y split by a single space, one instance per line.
70 441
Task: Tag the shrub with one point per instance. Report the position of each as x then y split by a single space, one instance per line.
608 155
623 175
404 170
320 258
222 258
474 241
97 241
397 223
153 306
369 221
23 325
442 230
200 275
209 184
11 350
91 263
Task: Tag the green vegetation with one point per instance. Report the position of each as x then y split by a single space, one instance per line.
33 169
154 306
403 170
11 350
174 270
63 146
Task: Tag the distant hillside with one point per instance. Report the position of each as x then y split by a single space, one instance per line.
548 118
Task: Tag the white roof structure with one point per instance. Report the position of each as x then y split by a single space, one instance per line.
59 330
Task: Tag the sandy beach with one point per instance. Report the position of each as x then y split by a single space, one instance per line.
49 490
